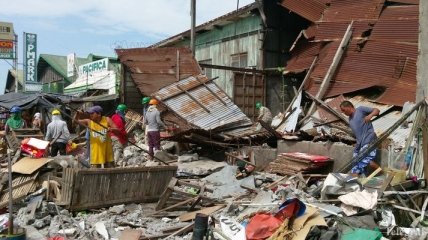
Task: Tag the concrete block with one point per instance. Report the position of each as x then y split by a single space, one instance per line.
262 156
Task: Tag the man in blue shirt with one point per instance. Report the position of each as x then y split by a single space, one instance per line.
360 123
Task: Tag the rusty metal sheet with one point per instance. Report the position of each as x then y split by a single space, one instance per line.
377 65
403 30
303 55
334 31
154 68
198 106
397 24
347 10
308 9
96 188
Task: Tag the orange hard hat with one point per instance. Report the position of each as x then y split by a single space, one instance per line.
153 102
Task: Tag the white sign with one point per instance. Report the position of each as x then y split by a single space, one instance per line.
232 229
93 67
6 31
33 87
70 64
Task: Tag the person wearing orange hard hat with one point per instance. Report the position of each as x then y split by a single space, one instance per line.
153 123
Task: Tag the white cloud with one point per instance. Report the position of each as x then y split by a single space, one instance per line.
159 18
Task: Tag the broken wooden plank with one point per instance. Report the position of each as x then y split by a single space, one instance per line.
332 69
166 194
366 180
207 211
308 73
241 159
174 206
327 107
29 165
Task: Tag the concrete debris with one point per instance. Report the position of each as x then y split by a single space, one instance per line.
102 230
188 158
199 168
118 209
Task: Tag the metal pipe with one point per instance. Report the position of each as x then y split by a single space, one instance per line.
9 168
192 28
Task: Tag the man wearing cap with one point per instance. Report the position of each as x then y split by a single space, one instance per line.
153 122
264 113
101 150
57 133
119 138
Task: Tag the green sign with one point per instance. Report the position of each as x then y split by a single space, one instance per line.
92 67
30 54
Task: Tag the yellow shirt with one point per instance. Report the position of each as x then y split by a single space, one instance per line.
101 146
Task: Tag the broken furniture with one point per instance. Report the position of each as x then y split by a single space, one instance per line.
132 118
180 192
95 188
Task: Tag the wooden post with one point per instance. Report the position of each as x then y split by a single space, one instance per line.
332 69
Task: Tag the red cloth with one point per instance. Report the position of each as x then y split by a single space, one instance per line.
120 124
262 226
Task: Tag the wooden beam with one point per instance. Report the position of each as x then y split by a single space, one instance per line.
193 98
241 159
188 89
177 72
212 92
327 107
333 67
174 206
235 69
425 148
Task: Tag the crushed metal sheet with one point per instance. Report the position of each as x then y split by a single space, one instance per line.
199 107
381 54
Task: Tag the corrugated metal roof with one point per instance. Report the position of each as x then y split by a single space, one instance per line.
154 68
382 52
303 55
334 31
347 10
308 9
188 104
398 136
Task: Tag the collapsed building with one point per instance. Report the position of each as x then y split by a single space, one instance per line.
336 50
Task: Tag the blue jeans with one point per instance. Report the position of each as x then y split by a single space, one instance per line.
361 166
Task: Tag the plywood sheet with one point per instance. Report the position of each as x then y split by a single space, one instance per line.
29 165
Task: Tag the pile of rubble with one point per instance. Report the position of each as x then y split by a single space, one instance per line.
201 201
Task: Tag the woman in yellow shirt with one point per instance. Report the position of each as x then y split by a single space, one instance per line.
101 149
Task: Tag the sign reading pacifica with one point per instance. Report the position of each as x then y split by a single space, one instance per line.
30 67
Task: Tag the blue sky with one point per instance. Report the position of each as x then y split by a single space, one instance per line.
98 26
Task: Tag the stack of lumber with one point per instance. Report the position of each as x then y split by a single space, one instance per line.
292 163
